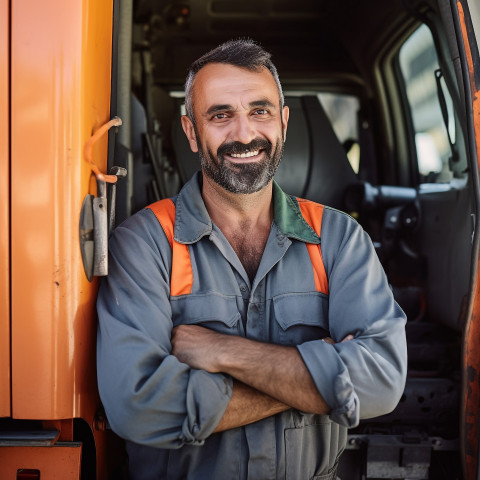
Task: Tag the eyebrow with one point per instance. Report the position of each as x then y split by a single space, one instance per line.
262 103
219 108
228 108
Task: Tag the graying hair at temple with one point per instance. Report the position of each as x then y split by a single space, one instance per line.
243 53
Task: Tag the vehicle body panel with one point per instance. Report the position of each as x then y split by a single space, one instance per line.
4 210
471 391
59 462
60 94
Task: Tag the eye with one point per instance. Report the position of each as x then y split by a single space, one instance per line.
261 111
219 116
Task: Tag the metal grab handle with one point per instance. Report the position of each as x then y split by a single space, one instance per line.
94 223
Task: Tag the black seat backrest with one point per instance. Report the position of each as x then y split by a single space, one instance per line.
330 171
314 164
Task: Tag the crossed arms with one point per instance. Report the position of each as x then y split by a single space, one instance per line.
269 378
162 389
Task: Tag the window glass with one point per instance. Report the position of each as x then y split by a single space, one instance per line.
342 111
419 67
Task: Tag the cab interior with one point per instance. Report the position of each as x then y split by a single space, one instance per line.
377 129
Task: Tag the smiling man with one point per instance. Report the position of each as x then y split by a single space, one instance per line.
242 330
247 137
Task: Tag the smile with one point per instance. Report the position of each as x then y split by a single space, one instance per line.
245 155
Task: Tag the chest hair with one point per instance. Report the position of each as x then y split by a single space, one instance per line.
249 246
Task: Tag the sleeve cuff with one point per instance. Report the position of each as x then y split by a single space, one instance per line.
208 395
332 380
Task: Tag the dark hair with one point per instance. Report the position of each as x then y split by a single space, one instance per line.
244 53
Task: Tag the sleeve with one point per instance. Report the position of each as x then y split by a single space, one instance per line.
149 396
364 377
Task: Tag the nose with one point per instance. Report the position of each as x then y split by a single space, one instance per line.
244 129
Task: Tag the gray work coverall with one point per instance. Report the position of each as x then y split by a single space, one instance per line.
167 411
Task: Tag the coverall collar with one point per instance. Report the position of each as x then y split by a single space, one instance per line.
192 221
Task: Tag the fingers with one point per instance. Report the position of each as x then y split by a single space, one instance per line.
332 342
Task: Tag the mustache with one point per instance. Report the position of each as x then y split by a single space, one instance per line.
238 148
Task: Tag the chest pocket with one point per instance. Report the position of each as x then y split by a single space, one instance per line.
301 317
212 310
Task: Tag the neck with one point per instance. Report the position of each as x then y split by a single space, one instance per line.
232 210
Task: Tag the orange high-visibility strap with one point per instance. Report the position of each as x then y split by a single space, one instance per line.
181 276
312 213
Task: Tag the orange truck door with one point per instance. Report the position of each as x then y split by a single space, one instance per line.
55 82
469 22
60 94
4 212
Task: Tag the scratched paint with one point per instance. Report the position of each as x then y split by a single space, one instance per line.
471 351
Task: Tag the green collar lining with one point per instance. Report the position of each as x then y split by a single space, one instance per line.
289 219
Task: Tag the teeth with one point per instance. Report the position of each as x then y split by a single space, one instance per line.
245 155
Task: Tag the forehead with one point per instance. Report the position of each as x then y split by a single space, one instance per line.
218 83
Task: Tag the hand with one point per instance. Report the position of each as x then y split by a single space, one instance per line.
332 342
197 346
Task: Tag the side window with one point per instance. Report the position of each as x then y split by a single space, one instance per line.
342 111
431 107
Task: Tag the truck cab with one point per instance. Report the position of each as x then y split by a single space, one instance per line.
384 125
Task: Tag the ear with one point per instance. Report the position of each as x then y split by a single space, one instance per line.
189 130
285 117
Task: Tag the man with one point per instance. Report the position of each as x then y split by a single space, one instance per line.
231 346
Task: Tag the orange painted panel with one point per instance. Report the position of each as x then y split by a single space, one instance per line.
60 92
53 463
4 211
471 361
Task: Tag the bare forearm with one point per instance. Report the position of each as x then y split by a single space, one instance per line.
277 371
246 406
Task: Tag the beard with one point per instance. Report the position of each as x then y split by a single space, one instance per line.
247 177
